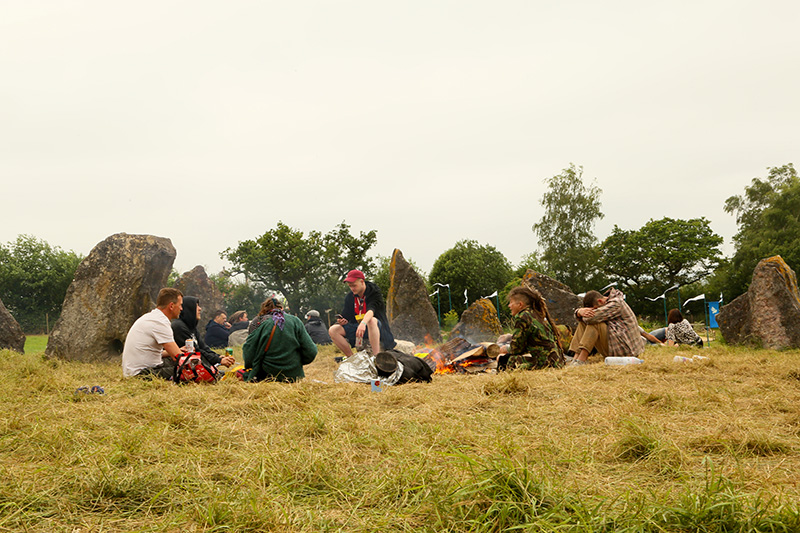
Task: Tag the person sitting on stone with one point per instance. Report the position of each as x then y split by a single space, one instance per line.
608 324
150 348
533 344
278 345
185 327
364 313
680 331
316 329
218 330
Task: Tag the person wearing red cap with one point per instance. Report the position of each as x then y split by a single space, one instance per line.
364 313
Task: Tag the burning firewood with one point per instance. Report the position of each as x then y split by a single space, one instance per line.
458 355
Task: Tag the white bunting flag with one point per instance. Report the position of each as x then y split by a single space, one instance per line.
699 297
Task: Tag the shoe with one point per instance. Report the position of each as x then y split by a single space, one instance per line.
568 358
575 362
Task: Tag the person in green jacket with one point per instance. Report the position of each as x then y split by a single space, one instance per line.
282 358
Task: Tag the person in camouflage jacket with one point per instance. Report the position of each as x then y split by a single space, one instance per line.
533 344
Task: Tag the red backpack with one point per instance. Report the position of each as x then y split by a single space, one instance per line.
191 368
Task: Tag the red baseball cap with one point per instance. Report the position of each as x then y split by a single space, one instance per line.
354 275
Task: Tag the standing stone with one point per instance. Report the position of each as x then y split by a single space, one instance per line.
479 323
408 306
768 314
11 335
117 283
561 302
197 283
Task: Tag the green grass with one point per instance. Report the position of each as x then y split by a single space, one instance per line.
35 343
710 446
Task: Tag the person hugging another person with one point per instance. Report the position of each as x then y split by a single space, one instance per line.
533 344
679 331
278 345
607 324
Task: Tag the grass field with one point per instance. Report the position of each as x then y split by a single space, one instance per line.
663 446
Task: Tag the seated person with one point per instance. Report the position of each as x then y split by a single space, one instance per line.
364 313
239 321
185 327
278 345
316 329
218 330
679 331
660 335
649 337
533 344
238 332
608 324
150 348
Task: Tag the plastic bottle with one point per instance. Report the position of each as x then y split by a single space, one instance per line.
699 357
681 359
624 361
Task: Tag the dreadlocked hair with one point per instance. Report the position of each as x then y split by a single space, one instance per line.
538 305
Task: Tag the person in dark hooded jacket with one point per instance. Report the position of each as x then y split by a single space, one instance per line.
185 327
218 330
316 329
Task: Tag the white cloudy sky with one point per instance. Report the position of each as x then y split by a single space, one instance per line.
430 121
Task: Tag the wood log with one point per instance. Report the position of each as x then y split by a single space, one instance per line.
492 349
478 351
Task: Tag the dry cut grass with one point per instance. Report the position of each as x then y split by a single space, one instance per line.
663 446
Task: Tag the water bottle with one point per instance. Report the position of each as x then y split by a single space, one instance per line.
624 361
681 359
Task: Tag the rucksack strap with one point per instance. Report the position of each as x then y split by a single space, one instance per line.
272 334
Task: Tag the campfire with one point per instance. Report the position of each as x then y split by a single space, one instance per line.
460 356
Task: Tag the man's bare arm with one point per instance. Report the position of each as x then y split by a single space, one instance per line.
172 350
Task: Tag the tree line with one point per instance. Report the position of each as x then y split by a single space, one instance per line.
306 269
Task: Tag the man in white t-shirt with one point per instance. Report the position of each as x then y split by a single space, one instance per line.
150 348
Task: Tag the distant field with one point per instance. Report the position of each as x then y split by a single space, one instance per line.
709 446
35 343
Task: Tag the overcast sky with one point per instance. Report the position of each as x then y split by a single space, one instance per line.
429 121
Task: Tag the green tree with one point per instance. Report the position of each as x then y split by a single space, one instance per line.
480 270
767 217
306 269
34 278
566 231
660 254
240 294
531 262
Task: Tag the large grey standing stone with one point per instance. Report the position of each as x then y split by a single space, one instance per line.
408 306
768 314
11 335
117 283
479 323
197 283
561 301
